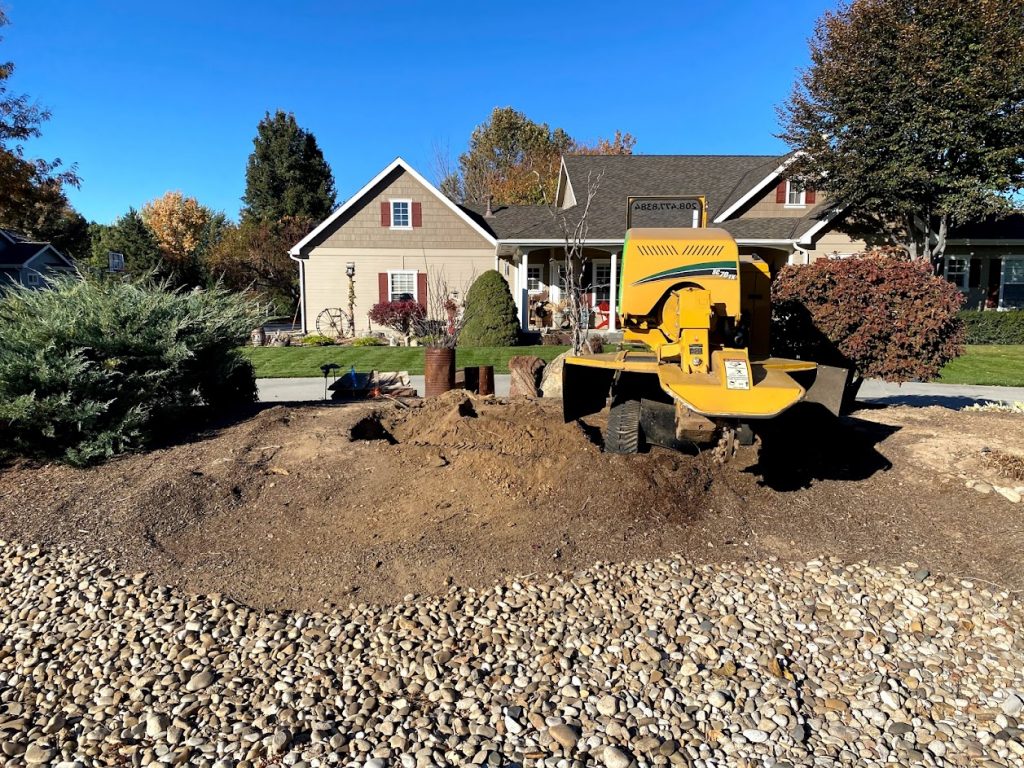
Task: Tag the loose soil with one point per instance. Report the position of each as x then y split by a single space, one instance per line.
298 507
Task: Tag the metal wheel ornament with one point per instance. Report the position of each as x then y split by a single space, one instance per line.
332 321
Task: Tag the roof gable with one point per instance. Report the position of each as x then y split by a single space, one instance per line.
371 187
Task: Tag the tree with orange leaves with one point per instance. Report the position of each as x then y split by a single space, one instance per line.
184 230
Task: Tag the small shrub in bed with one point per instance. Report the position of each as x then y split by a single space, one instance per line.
90 369
401 316
883 315
317 340
369 341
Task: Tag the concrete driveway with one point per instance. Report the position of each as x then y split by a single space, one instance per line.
947 395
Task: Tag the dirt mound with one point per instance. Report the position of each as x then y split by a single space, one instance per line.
294 507
297 506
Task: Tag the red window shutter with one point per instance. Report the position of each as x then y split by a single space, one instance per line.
421 285
382 287
417 215
809 196
385 215
780 192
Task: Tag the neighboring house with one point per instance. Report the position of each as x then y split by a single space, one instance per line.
28 263
399 226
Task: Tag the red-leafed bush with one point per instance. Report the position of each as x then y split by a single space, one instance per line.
882 315
401 316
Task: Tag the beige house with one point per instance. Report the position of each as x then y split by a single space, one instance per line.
399 231
393 233
27 262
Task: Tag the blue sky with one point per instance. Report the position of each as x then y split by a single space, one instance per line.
148 97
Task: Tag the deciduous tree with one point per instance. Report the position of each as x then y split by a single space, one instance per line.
32 200
516 160
911 114
254 256
184 231
287 175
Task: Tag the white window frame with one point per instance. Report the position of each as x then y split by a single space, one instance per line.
801 194
963 275
596 285
1003 281
33 278
535 285
415 283
408 205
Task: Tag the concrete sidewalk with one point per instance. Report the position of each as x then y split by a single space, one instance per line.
308 390
947 395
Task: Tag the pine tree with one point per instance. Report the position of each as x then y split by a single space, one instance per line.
287 175
130 236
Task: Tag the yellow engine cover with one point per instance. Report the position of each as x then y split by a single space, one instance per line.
655 260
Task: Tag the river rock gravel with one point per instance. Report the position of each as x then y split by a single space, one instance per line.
655 663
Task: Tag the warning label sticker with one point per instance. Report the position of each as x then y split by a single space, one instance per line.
736 374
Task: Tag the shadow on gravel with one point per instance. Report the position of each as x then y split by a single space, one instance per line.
953 402
808 443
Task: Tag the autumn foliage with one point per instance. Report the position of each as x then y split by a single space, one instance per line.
401 316
178 223
885 316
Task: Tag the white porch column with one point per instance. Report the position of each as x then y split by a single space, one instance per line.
524 292
613 293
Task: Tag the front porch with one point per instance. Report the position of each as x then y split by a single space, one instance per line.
537 280
536 277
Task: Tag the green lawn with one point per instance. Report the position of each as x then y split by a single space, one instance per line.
292 362
998 365
1001 365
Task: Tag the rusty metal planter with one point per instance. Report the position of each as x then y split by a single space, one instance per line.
438 371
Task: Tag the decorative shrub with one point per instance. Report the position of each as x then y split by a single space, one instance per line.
90 369
317 340
993 327
369 341
401 316
492 319
882 315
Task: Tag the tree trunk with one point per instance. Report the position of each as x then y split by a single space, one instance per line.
939 252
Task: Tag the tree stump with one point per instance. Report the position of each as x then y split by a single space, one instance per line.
525 371
551 381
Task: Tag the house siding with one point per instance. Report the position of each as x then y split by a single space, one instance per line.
442 228
327 283
765 207
834 242
444 244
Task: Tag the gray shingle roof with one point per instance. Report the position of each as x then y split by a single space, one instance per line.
723 179
522 222
17 249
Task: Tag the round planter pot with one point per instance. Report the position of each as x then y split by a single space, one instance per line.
438 371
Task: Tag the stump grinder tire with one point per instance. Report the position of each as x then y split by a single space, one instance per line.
623 432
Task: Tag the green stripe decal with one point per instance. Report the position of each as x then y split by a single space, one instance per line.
726 269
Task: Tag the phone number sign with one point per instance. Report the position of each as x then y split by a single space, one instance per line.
681 211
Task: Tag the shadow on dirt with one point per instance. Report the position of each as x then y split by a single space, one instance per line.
808 443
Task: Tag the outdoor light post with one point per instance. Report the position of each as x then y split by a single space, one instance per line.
350 270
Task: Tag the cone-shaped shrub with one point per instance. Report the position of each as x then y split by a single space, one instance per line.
90 369
491 315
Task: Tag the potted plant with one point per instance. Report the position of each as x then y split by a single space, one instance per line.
439 332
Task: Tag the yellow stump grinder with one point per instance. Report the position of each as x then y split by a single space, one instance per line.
703 313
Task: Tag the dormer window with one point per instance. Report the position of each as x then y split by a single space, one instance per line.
401 214
796 195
